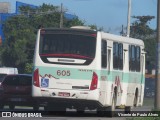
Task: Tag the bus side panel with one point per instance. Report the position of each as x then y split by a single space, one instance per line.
135 83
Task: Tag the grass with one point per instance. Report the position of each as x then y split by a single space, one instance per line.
147 102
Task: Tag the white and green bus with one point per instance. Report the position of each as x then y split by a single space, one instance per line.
83 68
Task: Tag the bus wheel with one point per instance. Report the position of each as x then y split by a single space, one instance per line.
135 98
114 100
108 111
111 109
128 109
101 112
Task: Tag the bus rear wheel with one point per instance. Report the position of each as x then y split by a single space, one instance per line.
108 111
111 109
128 109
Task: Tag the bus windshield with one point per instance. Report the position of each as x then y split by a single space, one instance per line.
67 45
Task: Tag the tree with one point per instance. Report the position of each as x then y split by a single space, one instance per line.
20 34
94 27
141 30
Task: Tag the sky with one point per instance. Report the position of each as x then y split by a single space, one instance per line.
109 14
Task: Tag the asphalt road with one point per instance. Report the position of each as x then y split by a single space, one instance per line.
69 115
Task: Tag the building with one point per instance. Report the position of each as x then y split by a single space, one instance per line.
4 7
5 14
19 4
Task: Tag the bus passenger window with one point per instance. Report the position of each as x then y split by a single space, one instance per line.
134 58
118 56
120 50
104 54
109 60
115 55
138 59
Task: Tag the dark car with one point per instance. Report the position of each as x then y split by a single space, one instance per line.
16 90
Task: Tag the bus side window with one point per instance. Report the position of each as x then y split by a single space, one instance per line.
138 51
115 55
134 58
118 56
104 54
109 60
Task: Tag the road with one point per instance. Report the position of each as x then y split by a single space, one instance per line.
69 115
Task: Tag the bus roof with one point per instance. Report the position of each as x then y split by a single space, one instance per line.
104 35
70 29
123 39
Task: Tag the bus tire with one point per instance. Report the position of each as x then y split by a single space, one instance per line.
101 112
128 109
111 109
135 98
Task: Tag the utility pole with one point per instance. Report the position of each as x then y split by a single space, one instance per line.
157 90
61 16
122 31
129 16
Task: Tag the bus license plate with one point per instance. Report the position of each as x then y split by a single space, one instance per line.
64 94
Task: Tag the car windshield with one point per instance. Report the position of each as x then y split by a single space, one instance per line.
18 80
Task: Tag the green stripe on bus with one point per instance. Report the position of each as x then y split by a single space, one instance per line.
86 74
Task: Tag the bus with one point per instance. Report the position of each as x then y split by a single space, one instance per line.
82 68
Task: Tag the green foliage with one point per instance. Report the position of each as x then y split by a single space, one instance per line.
28 68
74 22
153 115
20 34
143 118
141 30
